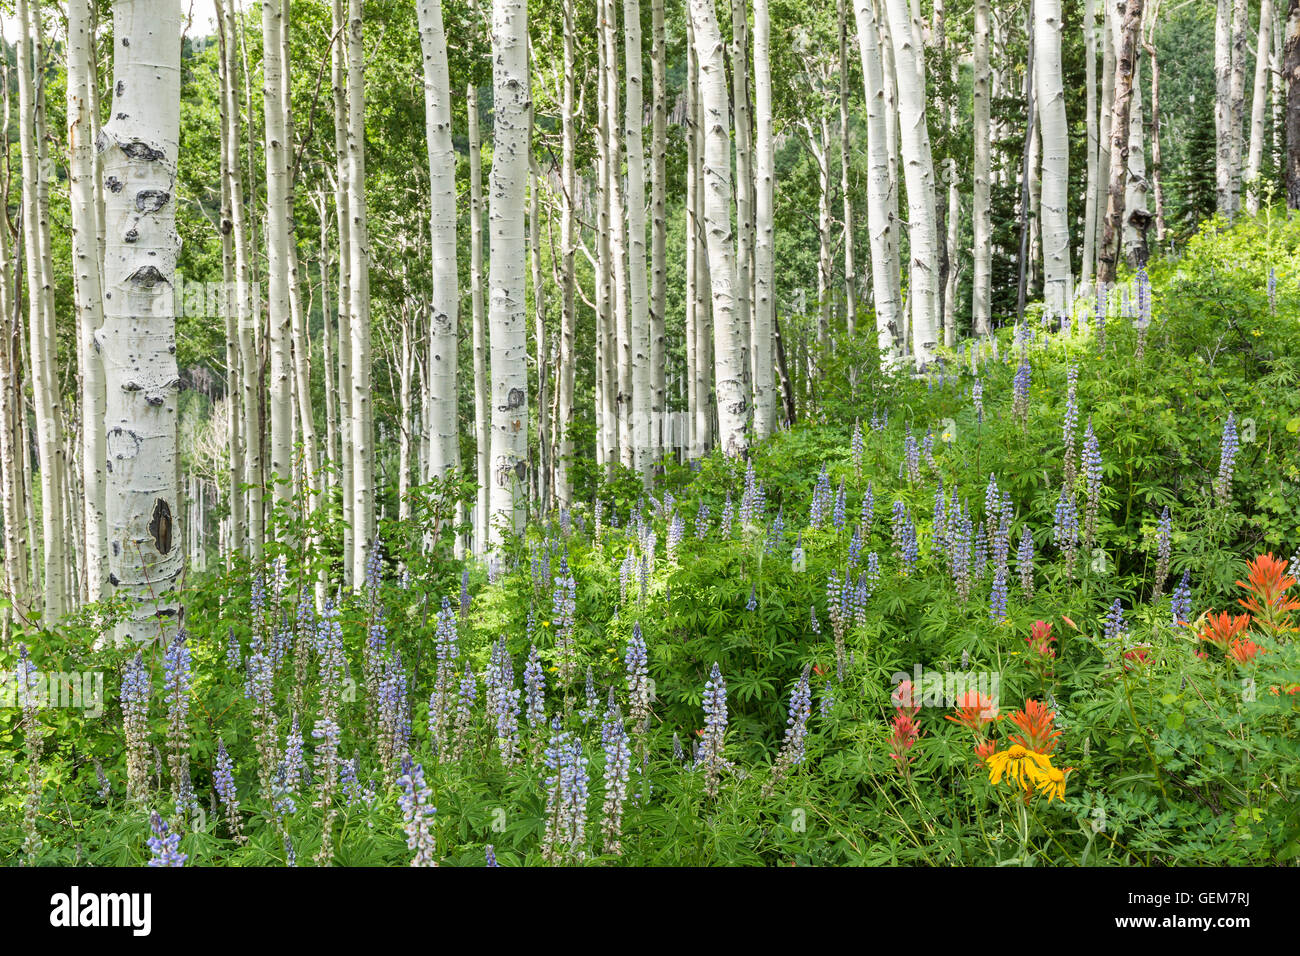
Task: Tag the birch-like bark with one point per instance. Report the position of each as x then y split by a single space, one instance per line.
89 302
1223 106
886 292
1291 70
1258 102
743 183
139 147
1058 282
643 445
568 303
363 462
918 170
442 426
1157 175
46 400
482 420
235 276
511 101
1237 104
764 248
729 355
1137 218
693 312
658 222
850 270
1125 61
1090 193
343 224
275 151
544 441
1107 107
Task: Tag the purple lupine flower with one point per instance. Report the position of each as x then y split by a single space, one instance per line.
491 857
912 458
977 396
998 596
417 816
164 845
1025 563
636 662
176 690
813 622
796 730
828 700
702 522
1020 388
394 717
1065 531
752 603
566 800
136 688
1115 626
905 546
1070 422
713 742
234 654
1181 605
1164 552
535 689
821 500
868 509
1227 455
295 762
857 444
728 513
618 764
855 546
837 514
1092 484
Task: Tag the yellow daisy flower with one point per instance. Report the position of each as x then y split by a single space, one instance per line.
1019 765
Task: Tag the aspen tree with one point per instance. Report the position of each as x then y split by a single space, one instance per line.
1258 102
729 356
506 195
1050 93
764 248
918 169
89 302
880 223
642 402
138 340
442 424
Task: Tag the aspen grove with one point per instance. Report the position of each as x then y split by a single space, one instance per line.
670 431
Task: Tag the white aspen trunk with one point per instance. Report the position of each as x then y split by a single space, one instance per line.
235 275
1049 88
506 264
343 224
693 315
442 426
328 342
568 304
1107 107
406 373
11 436
743 184
850 270
1277 88
729 355
1090 194
880 223
363 462
1223 105
46 400
89 302
606 416
642 420
1258 101
819 144
981 209
658 223
138 339
703 434
308 475
764 248
1136 216
1237 103
618 238
482 422
277 250
918 169
1125 43
542 473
